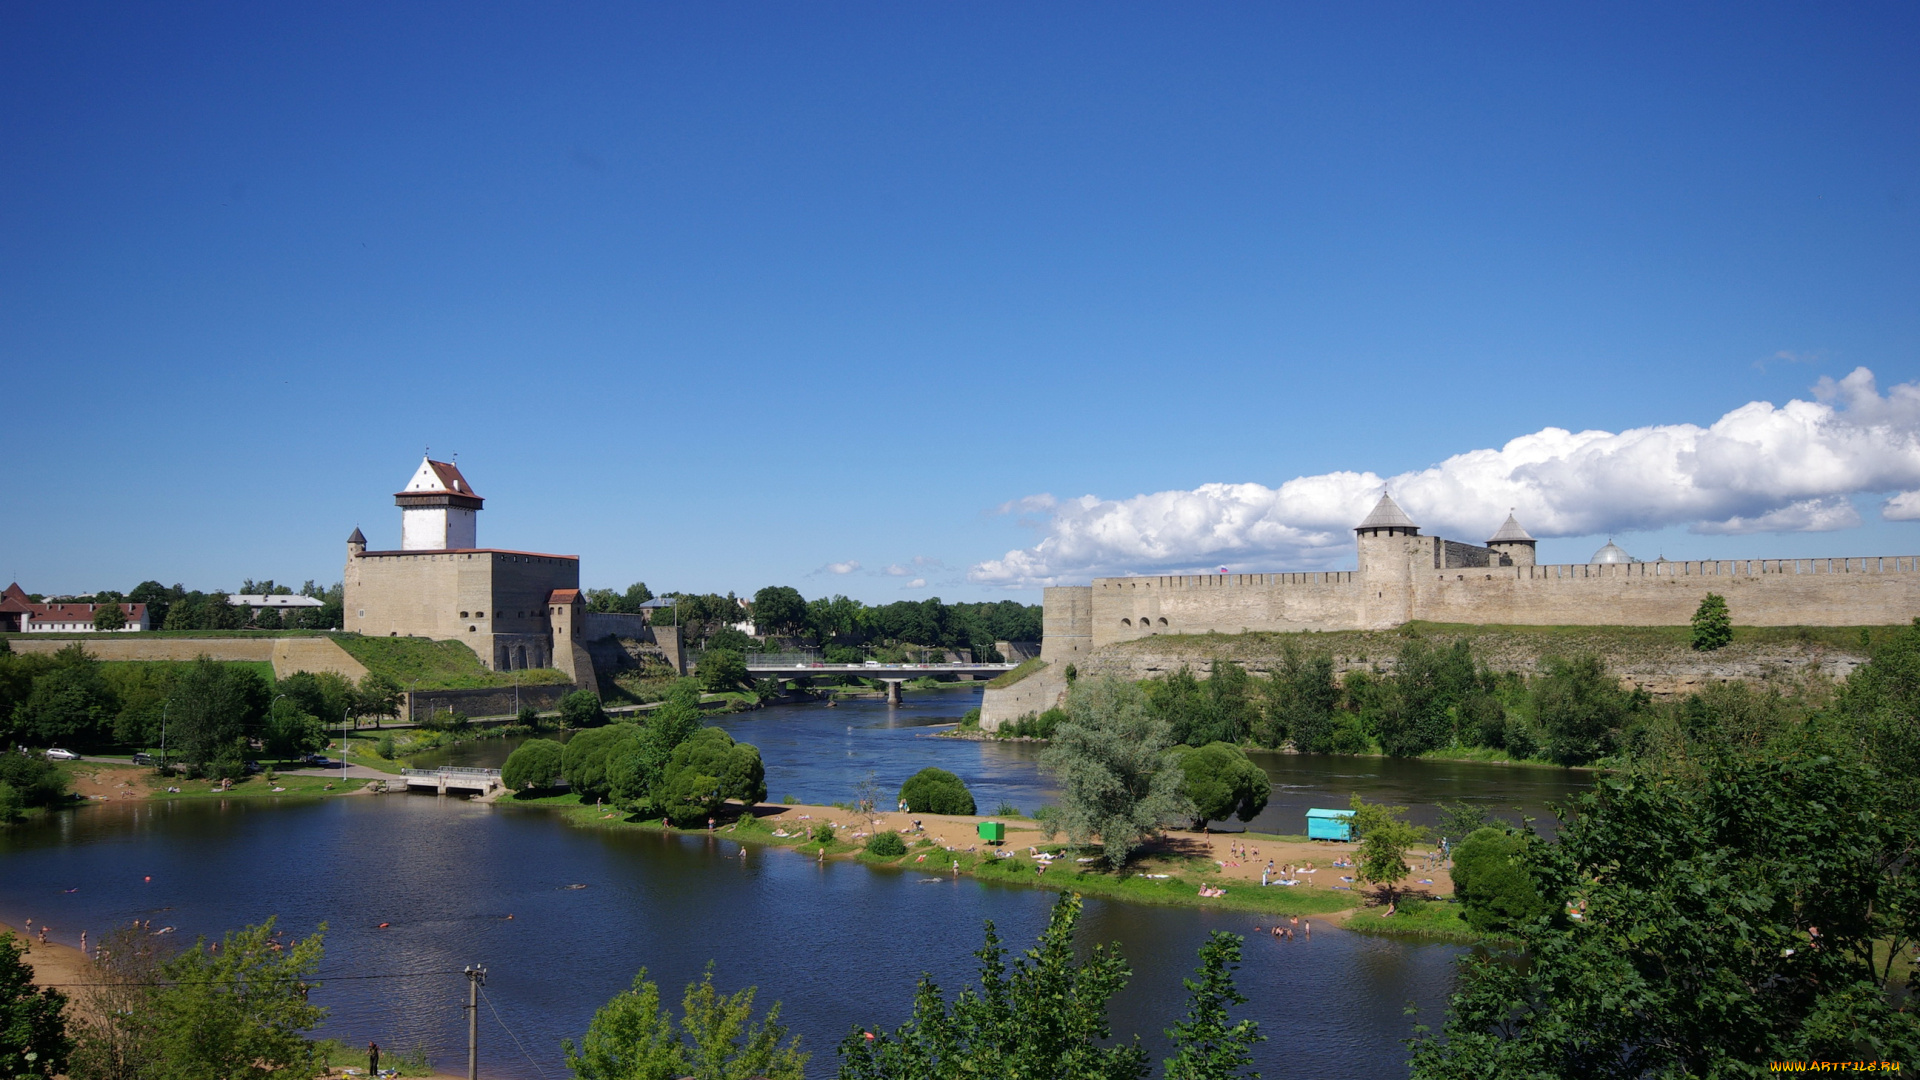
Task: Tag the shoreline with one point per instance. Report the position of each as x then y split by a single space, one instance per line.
1170 873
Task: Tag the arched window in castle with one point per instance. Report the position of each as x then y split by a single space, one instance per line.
1163 620
1126 622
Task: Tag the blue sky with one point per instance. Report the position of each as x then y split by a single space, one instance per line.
721 295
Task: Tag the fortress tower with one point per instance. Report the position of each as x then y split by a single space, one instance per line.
514 609
1514 542
437 509
1387 540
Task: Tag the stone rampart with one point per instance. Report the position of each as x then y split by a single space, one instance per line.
482 702
287 654
1759 592
1036 693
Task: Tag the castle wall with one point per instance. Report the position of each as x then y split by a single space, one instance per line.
1759 592
1122 609
1067 628
495 601
1399 583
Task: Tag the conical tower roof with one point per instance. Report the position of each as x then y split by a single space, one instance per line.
357 537
1511 532
1387 515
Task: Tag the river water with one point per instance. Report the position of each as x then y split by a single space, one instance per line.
838 945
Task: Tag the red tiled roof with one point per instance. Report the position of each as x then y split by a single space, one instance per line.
450 479
79 612
564 596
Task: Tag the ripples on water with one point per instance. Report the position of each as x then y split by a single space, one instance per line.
839 944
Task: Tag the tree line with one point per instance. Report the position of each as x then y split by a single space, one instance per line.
213 714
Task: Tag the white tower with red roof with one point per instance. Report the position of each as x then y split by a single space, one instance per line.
437 509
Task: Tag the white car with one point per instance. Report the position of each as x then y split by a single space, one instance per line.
62 755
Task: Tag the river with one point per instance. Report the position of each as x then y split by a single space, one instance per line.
838 945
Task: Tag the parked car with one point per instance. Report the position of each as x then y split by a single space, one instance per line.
320 761
141 757
58 754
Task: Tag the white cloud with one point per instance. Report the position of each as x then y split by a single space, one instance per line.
1758 468
917 583
847 567
897 570
1902 507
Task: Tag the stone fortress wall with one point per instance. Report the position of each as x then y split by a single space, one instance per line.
493 600
1404 577
1760 592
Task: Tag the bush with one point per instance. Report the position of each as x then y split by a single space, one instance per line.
384 747
1712 623
887 845
1491 881
528 717
581 709
34 781
11 804
823 833
533 764
722 670
1222 783
1033 726
584 762
707 769
1349 736
936 791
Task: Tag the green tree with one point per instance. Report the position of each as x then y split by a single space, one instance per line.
722 670
581 709
1459 820
1208 1043
706 770
210 706
1417 710
377 695
533 765
1880 706
634 1037
1117 780
1046 1017
1384 836
1492 882
937 791
1221 782
115 1037
69 704
34 780
291 731
108 617
1712 624
1702 927
240 1011
1581 708
1220 709
779 609
33 1022
1300 699
584 762
640 769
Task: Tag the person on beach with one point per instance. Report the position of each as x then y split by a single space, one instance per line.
83 943
373 1059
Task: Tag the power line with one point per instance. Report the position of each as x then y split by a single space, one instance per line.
313 978
510 1034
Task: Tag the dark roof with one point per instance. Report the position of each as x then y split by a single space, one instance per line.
470 551
358 537
1387 515
1511 532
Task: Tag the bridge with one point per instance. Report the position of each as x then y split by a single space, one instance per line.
453 778
778 666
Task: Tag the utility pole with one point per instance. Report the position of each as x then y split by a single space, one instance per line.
475 976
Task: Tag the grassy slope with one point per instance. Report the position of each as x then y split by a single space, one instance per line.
1008 678
435 665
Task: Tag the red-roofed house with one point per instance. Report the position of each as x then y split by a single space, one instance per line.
22 616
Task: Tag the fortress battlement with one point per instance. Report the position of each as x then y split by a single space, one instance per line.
1404 576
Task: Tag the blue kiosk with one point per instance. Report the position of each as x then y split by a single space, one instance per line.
1329 824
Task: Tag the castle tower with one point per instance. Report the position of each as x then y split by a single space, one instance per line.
357 543
1388 543
1514 542
437 509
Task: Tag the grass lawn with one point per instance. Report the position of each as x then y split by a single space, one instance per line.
1008 678
254 787
423 664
